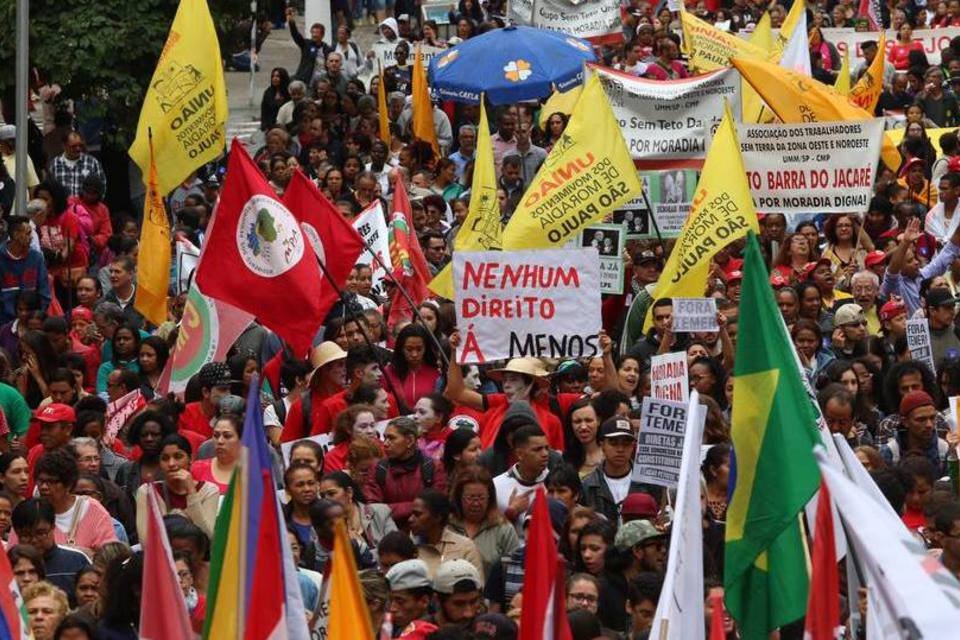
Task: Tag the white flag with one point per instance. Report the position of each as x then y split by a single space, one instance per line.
371 224
911 587
796 55
679 613
188 257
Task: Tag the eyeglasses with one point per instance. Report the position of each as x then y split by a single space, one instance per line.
858 323
475 498
589 598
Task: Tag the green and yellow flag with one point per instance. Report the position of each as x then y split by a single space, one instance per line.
773 473
153 267
482 228
186 102
587 175
722 211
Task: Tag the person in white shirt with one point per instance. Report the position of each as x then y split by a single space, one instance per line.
516 487
942 219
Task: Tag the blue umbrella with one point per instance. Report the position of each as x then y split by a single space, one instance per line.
510 65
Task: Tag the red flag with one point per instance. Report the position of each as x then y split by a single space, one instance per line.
257 259
544 614
334 240
717 632
823 604
870 9
409 266
166 618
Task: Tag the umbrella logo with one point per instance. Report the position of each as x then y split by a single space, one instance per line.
517 70
447 59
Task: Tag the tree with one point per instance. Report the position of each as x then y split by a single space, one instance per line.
101 53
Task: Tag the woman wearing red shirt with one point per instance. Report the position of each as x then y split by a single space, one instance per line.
62 240
899 55
413 373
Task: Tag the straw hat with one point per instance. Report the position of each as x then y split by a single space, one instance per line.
528 366
324 354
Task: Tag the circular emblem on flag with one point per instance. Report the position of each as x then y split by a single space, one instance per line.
197 339
314 239
268 238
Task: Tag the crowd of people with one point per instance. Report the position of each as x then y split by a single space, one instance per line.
433 466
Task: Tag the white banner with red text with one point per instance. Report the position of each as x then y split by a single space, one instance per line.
667 125
540 303
820 166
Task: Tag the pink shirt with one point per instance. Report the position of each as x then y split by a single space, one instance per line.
93 529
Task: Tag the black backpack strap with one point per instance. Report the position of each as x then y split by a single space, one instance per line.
306 408
380 473
426 472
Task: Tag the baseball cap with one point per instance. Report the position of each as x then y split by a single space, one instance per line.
616 427
812 266
645 256
639 505
874 258
907 165
914 400
636 532
212 182
8 132
734 276
953 165
940 297
777 281
214 374
891 309
409 574
570 369
403 17
848 314
451 572
56 412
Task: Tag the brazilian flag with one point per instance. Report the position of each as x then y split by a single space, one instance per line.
773 471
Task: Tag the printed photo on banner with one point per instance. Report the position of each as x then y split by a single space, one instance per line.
527 303
667 125
609 240
822 166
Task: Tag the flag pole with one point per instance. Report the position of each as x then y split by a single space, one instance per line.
653 219
416 311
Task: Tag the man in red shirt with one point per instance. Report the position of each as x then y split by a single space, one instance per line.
362 369
56 428
327 379
215 383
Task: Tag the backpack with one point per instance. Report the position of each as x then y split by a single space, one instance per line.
426 472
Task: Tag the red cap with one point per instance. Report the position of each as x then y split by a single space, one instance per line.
914 400
909 163
81 313
810 267
874 258
639 505
734 276
777 280
891 309
953 165
56 412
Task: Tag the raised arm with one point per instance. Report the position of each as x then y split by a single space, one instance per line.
899 255
456 391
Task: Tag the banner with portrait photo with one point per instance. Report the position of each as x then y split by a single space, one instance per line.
670 193
609 241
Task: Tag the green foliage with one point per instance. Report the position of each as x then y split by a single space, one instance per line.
101 53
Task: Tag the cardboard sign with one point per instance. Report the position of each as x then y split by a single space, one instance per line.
608 240
669 379
695 315
527 303
372 227
325 441
821 166
667 125
918 341
385 54
660 442
598 21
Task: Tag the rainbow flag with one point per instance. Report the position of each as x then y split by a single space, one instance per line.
251 562
13 621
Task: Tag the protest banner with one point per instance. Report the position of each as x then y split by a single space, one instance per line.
666 125
324 440
598 21
934 41
918 342
709 48
660 442
371 224
695 315
608 240
527 303
824 166
670 193
669 379
384 54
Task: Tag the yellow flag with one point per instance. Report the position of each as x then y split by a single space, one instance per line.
422 107
751 110
186 103
382 110
559 103
349 617
797 98
153 267
797 9
588 174
722 211
709 48
866 92
482 229
842 84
